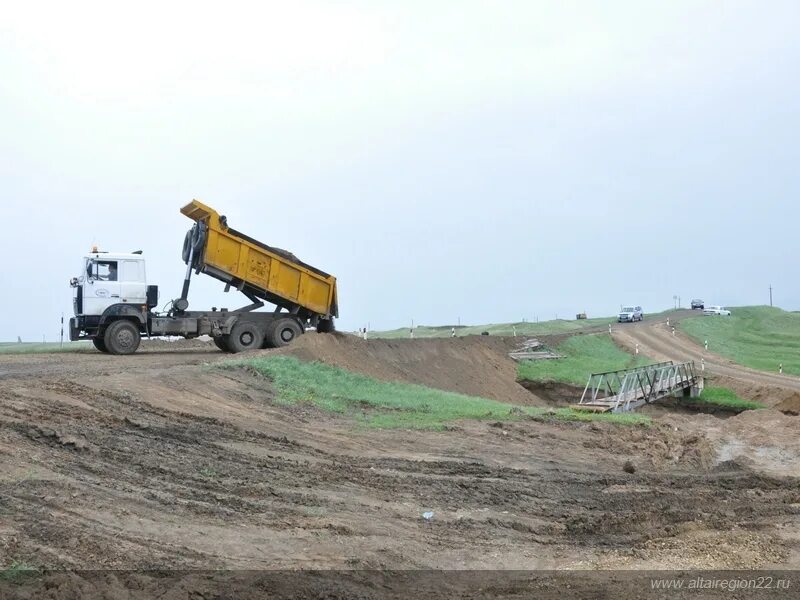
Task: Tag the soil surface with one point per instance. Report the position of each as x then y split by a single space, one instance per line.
159 460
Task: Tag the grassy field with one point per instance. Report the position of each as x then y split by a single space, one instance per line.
33 348
759 337
724 398
522 328
526 328
583 355
391 404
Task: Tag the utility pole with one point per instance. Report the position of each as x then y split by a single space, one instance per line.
770 294
62 329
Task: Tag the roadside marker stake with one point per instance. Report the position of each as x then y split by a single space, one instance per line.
780 368
637 348
702 364
706 344
673 332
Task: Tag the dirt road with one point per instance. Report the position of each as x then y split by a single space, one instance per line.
159 460
656 340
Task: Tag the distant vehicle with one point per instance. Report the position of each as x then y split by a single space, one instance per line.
698 304
716 310
629 314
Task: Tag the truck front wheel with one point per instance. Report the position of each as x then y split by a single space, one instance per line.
122 337
244 336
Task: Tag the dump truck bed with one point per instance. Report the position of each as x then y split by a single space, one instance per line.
260 270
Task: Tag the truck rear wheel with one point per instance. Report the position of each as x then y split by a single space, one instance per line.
122 337
100 344
244 336
219 342
325 326
283 332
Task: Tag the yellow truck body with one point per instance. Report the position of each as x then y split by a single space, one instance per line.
260 270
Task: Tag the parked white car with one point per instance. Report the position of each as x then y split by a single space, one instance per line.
716 310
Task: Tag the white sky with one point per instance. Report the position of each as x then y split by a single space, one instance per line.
486 161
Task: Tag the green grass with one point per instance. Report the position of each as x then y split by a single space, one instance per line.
392 404
759 337
16 571
724 398
34 348
583 355
526 328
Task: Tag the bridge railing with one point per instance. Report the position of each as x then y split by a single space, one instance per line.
645 383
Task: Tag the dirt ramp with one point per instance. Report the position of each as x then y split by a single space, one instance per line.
474 365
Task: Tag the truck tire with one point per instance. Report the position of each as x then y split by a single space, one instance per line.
326 326
283 332
100 344
220 343
122 337
244 336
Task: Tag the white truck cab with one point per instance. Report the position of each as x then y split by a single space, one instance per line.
111 278
112 287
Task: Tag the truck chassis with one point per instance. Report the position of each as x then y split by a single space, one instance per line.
232 331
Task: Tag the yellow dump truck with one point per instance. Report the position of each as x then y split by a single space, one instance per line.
114 306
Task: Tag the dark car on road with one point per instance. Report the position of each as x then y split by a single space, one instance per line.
698 304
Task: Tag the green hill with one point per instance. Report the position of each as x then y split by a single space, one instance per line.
583 355
522 328
760 337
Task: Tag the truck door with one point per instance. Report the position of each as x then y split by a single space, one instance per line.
133 287
102 287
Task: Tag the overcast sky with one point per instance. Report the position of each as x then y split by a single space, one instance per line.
488 161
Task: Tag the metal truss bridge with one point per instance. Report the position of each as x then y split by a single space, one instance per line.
628 389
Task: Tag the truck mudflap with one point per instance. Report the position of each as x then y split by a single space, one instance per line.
74 330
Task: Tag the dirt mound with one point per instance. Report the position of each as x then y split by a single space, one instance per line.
474 365
554 393
779 398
